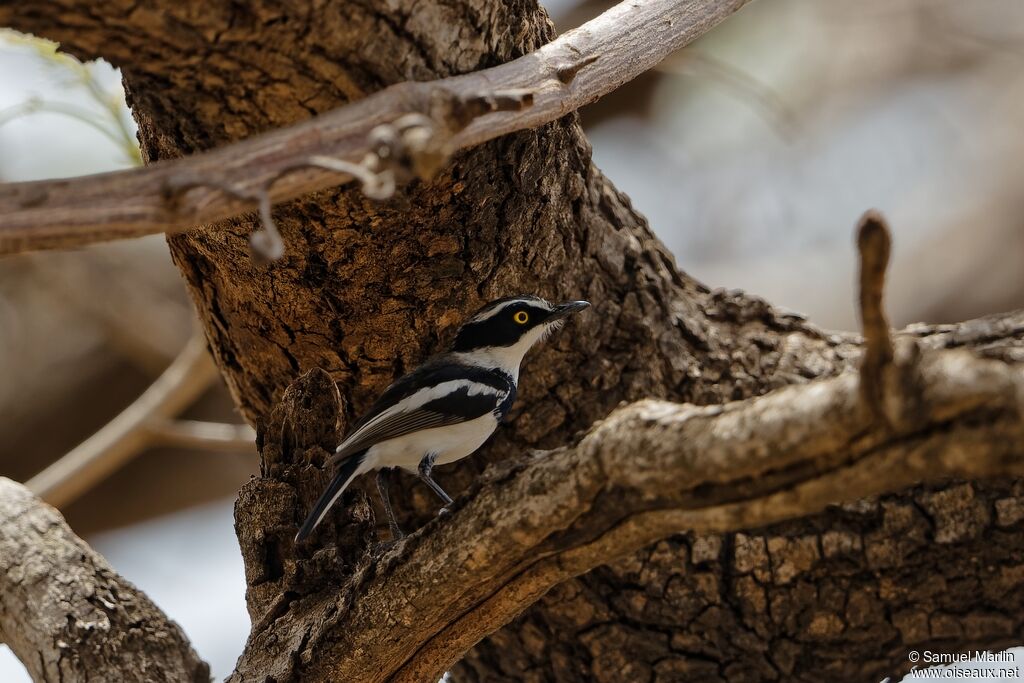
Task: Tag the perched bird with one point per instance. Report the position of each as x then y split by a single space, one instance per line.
446 408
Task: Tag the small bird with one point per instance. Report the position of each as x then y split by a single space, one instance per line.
446 408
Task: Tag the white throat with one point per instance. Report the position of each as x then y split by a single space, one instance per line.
505 358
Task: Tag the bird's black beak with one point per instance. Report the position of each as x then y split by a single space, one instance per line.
565 310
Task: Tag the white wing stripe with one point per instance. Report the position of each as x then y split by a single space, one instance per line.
424 420
417 400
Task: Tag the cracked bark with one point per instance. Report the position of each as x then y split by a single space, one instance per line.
406 612
87 623
369 289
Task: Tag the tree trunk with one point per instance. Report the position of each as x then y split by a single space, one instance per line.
366 290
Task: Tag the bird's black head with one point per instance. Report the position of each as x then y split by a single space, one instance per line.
513 321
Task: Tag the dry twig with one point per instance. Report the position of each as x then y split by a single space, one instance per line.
145 422
874 245
193 434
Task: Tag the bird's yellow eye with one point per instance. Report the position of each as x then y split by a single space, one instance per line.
521 317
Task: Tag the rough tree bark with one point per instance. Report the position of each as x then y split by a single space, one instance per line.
87 623
366 290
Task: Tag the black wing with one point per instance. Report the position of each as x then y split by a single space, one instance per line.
459 399
439 369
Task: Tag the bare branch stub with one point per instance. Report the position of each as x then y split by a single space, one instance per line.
874 245
567 73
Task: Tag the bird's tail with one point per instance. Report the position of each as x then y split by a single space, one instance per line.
347 471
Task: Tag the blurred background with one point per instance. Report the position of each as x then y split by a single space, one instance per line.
753 153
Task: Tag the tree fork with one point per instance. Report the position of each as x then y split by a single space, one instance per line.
371 288
408 611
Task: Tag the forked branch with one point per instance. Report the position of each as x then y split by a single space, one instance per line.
148 421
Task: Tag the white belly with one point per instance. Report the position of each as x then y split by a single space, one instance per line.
451 443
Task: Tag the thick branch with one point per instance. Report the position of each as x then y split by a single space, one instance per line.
66 613
648 471
568 73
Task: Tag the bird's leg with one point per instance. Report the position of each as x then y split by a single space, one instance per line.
426 466
383 483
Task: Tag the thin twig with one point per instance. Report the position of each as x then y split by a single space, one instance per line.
374 185
126 435
267 241
778 114
208 436
465 111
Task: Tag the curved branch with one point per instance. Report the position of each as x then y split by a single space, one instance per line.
121 439
648 471
66 613
568 73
